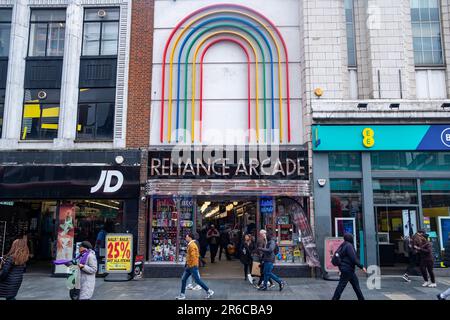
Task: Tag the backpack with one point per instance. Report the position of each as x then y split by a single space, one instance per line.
336 259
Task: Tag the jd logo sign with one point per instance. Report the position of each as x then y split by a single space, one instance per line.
106 178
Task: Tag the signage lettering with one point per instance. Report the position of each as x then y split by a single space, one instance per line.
106 178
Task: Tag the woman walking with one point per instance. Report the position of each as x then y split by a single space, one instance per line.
247 247
11 275
88 268
424 249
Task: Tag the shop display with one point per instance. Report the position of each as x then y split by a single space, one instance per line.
186 225
164 230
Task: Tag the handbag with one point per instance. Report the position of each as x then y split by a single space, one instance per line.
256 270
74 294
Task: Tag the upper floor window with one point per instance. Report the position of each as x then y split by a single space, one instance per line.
47 33
5 31
350 25
100 32
426 30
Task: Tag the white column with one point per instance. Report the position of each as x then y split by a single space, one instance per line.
70 76
16 74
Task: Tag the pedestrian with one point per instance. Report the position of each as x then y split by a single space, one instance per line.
191 282
11 274
269 253
444 295
213 237
349 260
408 243
261 242
87 262
247 247
191 269
424 248
203 241
224 242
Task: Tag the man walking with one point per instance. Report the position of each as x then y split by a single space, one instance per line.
349 260
268 260
191 269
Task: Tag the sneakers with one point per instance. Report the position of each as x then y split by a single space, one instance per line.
190 286
440 297
282 284
406 278
426 284
262 288
432 285
271 285
209 294
250 278
197 287
181 297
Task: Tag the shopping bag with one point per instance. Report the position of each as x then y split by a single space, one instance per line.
256 271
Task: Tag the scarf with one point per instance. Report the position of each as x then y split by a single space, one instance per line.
84 256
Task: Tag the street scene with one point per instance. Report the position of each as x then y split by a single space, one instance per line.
212 150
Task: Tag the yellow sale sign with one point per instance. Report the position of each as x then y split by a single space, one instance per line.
119 251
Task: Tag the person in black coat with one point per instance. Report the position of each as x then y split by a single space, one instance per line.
246 250
11 274
224 242
349 260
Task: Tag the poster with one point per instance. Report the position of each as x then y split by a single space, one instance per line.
331 245
119 251
66 232
409 223
444 231
345 225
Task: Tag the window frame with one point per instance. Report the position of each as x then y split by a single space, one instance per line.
46 22
101 22
427 66
10 27
90 102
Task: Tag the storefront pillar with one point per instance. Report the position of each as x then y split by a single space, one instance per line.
419 199
322 204
368 211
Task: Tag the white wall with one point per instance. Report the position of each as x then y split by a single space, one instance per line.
225 77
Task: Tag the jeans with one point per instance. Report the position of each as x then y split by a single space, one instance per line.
247 270
213 250
427 266
268 268
196 275
446 294
261 278
348 276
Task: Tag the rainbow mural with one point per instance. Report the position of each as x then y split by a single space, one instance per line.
256 35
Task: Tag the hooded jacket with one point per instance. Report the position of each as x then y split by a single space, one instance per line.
349 259
11 277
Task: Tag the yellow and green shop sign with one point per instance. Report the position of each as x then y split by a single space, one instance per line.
381 138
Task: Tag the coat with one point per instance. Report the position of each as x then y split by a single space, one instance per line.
246 252
268 251
349 259
87 277
193 255
11 277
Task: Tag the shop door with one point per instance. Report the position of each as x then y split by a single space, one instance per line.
394 224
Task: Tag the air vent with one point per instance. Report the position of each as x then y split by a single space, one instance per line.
101 13
42 95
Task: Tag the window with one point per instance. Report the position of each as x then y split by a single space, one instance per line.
40 115
96 114
5 31
101 32
350 25
47 32
426 30
411 161
394 191
344 161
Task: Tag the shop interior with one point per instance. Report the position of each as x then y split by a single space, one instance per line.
41 223
233 218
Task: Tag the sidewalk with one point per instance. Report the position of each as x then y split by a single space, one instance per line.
43 287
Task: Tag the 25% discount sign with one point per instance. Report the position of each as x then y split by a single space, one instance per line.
119 251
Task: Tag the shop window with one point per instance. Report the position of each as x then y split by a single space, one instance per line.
344 161
436 212
168 242
5 31
346 211
96 114
40 115
394 191
101 32
47 33
424 161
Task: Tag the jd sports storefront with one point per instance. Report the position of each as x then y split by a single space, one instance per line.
243 190
382 183
58 199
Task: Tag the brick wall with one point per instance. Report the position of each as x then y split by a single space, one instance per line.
140 74
139 98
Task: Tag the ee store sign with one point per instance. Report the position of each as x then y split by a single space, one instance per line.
445 137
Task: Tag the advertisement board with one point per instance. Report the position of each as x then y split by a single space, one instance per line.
66 233
119 253
331 245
